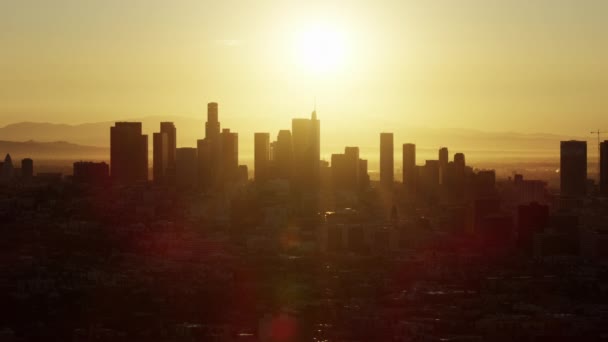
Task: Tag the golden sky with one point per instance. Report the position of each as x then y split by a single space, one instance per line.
511 65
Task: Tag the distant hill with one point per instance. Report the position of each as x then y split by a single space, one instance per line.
58 150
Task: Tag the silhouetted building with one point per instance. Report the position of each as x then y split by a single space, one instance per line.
27 169
168 128
410 173
243 174
306 141
429 178
230 154
211 169
443 165
604 168
160 157
345 170
128 152
186 168
485 183
91 172
573 168
387 166
261 157
212 126
7 173
363 174
283 155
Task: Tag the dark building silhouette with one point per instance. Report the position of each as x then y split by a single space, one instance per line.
387 166
128 152
573 168
186 168
168 128
90 172
7 172
211 170
160 157
283 156
443 165
345 170
363 174
230 155
604 168
429 178
27 169
203 152
306 141
261 157
409 168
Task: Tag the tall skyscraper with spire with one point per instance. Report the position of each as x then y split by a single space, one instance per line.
306 140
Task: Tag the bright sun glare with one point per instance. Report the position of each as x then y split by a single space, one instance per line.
321 49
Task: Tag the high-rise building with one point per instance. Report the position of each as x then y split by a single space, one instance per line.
261 156
283 156
387 166
210 171
186 168
160 156
604 168
345 170
410 172
306 152
363 174
573 168
212 126
230 155
168 128
27 168
8 170
443 165
128 152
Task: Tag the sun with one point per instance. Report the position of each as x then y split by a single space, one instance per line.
321 48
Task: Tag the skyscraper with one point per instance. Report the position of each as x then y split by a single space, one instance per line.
211 169
387 166
261 156
8 170
283 157
230 155
443 165
604 168
573 168
168 128
212 126
345 170
128 152
306 152
410 172
160 156
27 169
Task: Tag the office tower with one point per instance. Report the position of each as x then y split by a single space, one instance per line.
363 175
459 161
27 169
8 170
230 155
573 168
160 157
283 156
186 168
306 152
409 168
345 170
212 126
128 152
261 156
168 128
604 168
443 165
90 172
387 166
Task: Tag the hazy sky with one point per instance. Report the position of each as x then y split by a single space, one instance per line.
511 65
